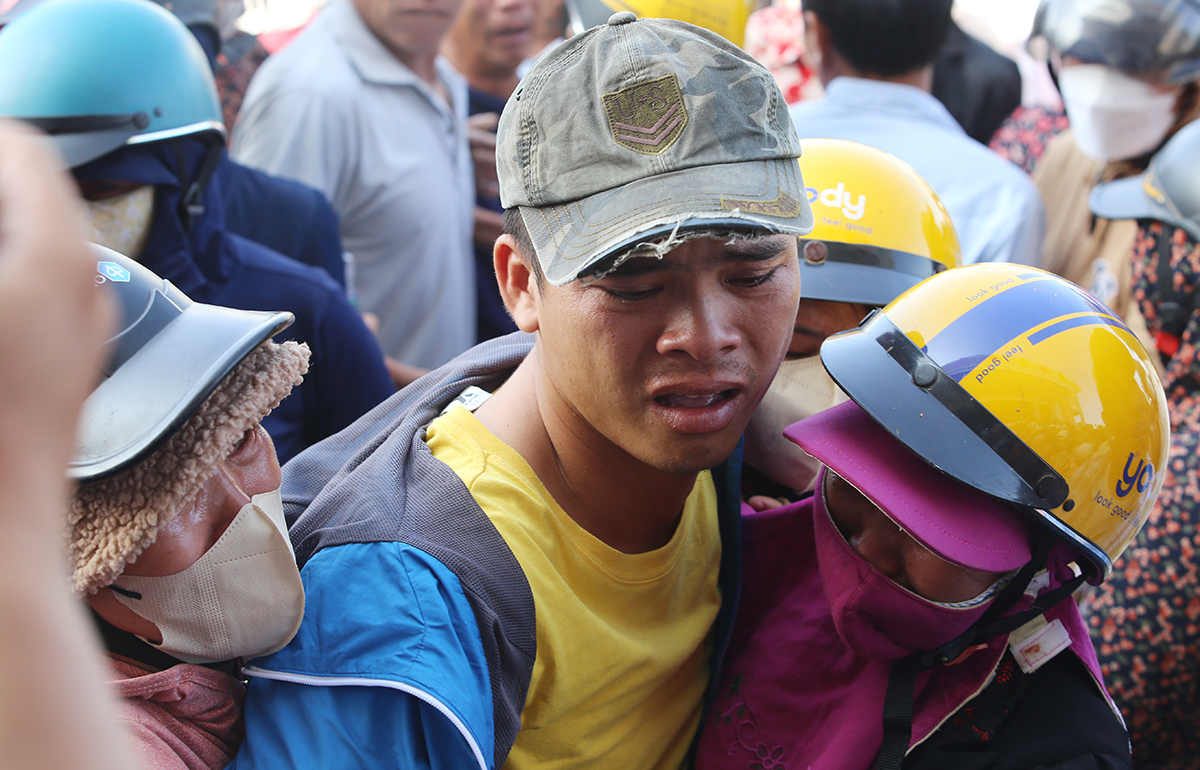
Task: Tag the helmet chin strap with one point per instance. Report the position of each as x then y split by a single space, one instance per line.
898 701
191 203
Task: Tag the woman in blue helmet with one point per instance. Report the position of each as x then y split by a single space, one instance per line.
126 94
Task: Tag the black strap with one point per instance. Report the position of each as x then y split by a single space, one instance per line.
191 203
82 124
127 645
992 617
897 714
898 700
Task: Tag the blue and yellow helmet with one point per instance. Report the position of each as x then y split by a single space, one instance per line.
1020 384
878 227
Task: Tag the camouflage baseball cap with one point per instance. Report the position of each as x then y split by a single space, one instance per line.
640 128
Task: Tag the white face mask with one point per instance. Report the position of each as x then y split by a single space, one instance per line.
241 599
1114 116
122 222
801 388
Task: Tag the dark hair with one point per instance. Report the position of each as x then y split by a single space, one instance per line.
884 38
515 226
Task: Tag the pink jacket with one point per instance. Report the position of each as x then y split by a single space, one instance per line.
185 718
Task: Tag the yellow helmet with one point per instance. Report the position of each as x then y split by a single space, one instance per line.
879 228
725 17
1018 383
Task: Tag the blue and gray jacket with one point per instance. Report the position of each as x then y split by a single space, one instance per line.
418 639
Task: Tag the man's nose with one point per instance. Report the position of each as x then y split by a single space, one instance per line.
702 327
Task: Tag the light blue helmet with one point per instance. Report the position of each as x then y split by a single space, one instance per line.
100 74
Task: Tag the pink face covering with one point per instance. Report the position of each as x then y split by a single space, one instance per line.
876 618
791 694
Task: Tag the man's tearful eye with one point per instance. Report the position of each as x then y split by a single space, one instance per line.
630 295
753 281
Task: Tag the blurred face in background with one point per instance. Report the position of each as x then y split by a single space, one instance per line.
492 37
1115 116
410 29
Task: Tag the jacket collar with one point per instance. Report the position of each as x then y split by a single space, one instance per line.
373 62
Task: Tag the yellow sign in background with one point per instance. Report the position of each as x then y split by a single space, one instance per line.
725 17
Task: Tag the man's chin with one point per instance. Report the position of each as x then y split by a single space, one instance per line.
692 460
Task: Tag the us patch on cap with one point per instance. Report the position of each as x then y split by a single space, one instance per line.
647 117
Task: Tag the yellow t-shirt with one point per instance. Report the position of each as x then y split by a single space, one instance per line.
622 660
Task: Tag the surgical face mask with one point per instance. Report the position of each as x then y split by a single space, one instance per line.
241 599
801 388
1114 116
875 617
122 222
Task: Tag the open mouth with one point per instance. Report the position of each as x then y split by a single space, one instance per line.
681 401
512 36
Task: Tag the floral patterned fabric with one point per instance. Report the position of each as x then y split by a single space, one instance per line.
239 59
775 36
1145 620
1022 138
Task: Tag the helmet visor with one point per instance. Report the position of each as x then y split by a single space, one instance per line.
877 365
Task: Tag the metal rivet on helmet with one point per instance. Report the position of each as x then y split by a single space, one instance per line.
925 375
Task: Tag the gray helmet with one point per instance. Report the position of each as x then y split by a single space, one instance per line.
1151 39
1169 191
167 357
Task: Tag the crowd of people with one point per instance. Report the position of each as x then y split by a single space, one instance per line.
543 384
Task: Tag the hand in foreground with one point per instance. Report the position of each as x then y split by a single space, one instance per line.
765 503
52 321
53 318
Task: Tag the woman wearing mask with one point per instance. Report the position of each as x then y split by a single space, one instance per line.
1127 71
1143 620
914 611
177 539
879 229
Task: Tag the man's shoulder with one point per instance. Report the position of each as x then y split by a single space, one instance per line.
949 159
379 474
292 202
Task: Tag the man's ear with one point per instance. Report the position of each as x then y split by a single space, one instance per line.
518 284
816 38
